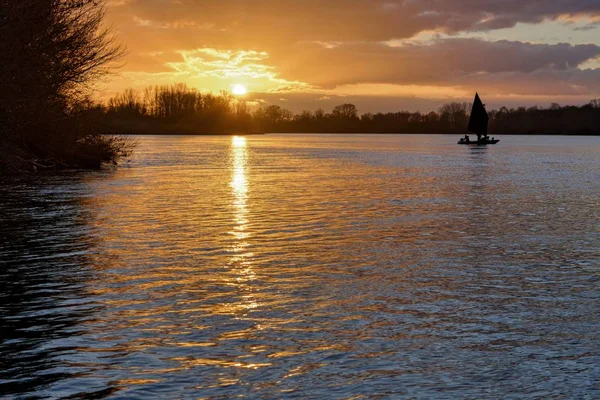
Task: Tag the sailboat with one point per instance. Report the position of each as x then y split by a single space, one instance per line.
478 124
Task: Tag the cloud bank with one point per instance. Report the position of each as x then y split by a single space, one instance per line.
330 48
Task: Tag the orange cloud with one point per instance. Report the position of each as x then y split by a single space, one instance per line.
365 48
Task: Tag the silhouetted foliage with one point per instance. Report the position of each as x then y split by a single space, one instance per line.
567 120
179 109
50 53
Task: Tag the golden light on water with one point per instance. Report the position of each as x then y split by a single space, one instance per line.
239 141
239 184
241 259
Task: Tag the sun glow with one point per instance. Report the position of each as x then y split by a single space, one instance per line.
239 184
239 90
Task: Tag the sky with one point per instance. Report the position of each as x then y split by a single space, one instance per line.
382 55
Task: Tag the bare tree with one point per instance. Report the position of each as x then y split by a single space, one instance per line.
51 52
345 111
455 114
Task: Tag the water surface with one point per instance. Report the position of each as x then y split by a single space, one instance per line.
307 266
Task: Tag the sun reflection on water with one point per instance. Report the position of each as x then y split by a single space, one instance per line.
239 184
265 266
241 258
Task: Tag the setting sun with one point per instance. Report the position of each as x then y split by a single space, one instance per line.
308 198
239 90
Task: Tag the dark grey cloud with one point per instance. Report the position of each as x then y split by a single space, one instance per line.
572 82
444 62
342 42
273 21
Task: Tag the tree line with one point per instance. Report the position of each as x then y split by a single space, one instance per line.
179 109
174 109
51 51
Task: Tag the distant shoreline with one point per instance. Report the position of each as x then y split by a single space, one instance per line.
349 133
157 111
186 134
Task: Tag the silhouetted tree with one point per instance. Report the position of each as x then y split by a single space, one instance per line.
176 109
455 115
223 114
345 111
51 51
272 118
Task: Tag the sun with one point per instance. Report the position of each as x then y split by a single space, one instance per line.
239 90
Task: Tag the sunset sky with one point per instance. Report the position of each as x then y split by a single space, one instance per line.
380 55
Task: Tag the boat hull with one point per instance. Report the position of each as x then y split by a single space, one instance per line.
480 143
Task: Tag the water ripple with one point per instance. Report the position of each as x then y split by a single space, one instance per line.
306 267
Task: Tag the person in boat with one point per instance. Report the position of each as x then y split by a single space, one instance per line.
467 139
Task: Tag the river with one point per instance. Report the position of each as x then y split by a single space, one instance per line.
307 266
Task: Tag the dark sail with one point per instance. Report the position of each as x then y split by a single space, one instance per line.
478 123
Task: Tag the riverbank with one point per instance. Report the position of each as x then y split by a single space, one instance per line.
352 133
89 152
